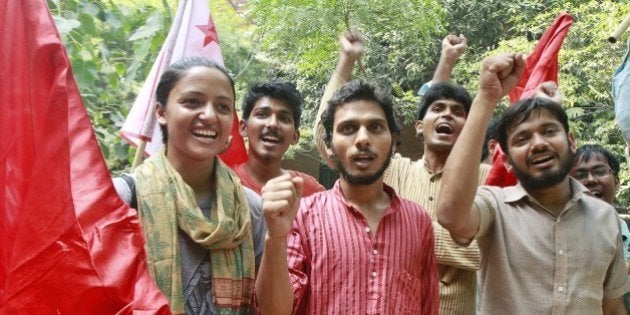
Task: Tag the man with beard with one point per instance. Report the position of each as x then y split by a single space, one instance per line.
357 248
547 247
441 116
271 121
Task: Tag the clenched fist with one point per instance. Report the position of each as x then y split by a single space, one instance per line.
280 200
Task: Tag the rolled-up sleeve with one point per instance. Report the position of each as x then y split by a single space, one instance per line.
485 202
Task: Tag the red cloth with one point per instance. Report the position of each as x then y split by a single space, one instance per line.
68 244
498 175
311 185
236 152
541 66
338 266
542 63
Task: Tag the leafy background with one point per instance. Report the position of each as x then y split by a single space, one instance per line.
112 44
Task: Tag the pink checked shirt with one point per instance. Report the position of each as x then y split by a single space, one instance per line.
338 266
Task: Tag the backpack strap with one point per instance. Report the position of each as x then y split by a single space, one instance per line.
131 182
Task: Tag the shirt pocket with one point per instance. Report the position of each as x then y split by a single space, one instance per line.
408 293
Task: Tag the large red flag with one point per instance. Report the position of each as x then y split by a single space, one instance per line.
192 34
541 66
68 244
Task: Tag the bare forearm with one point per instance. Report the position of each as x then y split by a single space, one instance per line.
444 69
461 174
273 287
344 67
341 75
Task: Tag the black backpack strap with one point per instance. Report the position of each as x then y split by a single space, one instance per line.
131 182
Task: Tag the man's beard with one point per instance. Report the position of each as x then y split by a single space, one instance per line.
361 180
549 177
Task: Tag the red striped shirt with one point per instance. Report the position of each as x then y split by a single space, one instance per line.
337 266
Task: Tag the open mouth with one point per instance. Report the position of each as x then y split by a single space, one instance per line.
271 139
205 134
541 159
444 129
367 158
363 160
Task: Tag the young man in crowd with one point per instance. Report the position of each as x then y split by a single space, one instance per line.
598 170
271 121
357 248
442 114
547 247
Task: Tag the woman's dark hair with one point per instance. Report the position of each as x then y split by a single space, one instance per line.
520 112
174 73
353 91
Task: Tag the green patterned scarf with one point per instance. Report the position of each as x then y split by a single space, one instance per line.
166 203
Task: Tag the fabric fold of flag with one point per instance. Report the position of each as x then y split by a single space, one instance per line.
193 33
541 66
542 63
621 95
68 244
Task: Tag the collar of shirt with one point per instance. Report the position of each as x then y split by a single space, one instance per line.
394 203
518 192
429 171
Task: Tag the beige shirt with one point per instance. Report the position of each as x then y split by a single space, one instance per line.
457 265
535 263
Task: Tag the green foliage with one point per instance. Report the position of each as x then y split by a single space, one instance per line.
239 47
486 23
111 48
301 38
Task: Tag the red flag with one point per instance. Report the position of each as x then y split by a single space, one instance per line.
541 66
542 63
192 34
69 245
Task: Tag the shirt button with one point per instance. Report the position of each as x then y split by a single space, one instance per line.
560 289
561 252
430 198
375 252
373 274
367 229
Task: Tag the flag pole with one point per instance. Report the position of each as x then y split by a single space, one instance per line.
620 30
139 156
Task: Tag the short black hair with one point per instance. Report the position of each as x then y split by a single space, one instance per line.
174 73
353 91
444 91
585 152
280 90
490 134
521 111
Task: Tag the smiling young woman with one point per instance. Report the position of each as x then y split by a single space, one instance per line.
204 231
